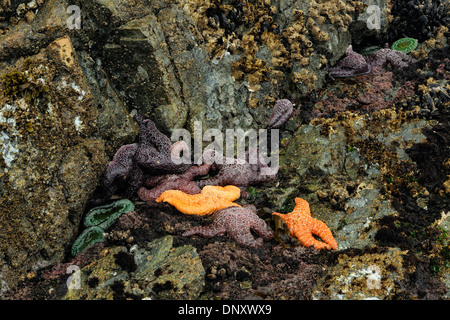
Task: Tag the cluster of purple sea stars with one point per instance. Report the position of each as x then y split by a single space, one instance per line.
148 164
355 64
236 222
132 163
225 171
236 172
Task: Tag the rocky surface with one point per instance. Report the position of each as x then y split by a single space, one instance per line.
58 129
157 271
369 153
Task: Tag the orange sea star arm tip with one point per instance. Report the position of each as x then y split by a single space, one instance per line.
303 226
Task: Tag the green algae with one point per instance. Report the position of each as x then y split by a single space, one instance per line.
405 45
87 238
104 216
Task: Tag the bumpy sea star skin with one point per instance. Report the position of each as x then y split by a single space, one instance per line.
236 172
116 173
282 111
355 64
210 199
183 182
236 222
303 227
155 149
152 154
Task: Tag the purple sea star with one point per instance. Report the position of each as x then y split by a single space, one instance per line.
236 172
132 163
183 182
236 222
282 111
117 173
355 64
155 152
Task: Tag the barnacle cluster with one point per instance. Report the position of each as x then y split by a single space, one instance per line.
335 11
418 18
12 11
244 27
12 83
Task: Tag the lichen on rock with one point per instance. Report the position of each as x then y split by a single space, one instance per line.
159 271
52 154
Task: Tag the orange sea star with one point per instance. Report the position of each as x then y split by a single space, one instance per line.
210 199
303 227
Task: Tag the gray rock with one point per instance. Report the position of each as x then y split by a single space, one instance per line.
322 161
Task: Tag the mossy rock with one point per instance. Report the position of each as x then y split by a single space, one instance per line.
165 272
162 272
97 279
104 216
87 238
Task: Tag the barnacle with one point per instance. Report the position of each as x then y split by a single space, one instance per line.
12 82
306 77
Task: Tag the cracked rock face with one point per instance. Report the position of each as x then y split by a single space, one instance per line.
51 156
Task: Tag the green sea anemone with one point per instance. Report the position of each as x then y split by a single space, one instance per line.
405 45
104 216
87 238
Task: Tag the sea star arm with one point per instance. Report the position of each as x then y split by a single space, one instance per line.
206 231
183 182
282 111
228 192
197 204
150 135
305 236
195 171
117 171
260 227
245 238
320 229
303 227
352 65
171 183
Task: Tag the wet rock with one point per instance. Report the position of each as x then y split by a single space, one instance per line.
180 59
52 155
154 84
158 271
368 276
27 38
341 166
